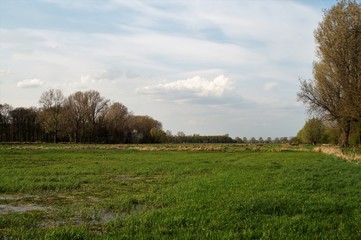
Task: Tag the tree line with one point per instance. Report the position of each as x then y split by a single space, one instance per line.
82 117
196 138
88 117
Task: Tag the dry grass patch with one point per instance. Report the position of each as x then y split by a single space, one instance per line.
338 152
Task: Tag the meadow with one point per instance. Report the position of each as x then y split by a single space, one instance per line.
177 192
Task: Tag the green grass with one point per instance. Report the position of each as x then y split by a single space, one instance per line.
228 192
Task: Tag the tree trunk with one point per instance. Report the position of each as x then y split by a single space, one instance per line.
343 140
55 136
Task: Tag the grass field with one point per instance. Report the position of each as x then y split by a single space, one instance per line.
176 192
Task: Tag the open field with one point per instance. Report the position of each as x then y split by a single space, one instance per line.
177 192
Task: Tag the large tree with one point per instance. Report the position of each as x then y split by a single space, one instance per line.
116 121
84 111
335 92
51 112
96 106
25 125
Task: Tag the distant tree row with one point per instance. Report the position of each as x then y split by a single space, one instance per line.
180 137
196 138
276 140
82 117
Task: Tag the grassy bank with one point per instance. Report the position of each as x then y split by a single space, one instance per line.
176 192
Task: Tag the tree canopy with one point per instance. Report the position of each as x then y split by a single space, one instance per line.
335 92
313 132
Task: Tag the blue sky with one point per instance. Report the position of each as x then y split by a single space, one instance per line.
201 67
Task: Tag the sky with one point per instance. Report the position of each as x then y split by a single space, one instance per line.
208 67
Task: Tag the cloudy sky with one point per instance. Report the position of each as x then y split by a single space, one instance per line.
199 66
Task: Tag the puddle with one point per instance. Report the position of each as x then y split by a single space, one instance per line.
103 217
16 197
98 218
6 208
14 204
20 208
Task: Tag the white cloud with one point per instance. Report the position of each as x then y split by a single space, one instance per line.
269 86
200 86
195 89
86 79
29 83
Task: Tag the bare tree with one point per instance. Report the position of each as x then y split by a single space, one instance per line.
51 111
96 106
84 110
75 116
116 120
